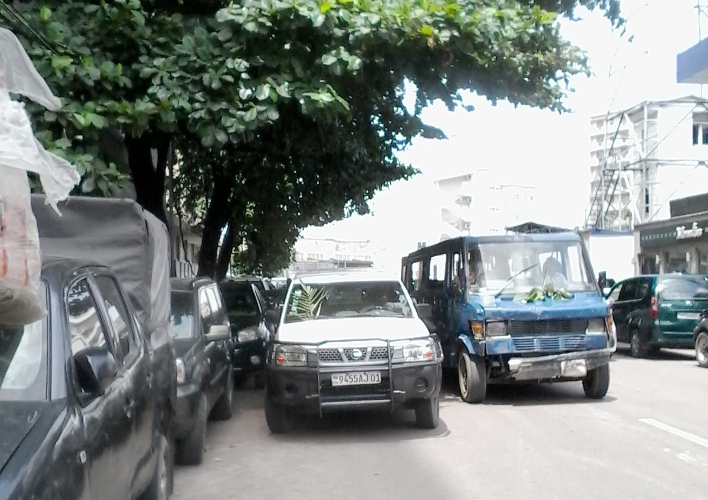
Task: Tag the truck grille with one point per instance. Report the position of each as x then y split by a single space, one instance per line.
549 343
547 327
346 355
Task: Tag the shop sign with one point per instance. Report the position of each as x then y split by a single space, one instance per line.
694 232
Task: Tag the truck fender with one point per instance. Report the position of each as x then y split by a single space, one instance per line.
465 342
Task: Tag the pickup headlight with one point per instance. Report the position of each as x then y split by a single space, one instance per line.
247 335
597 325
181 370
418 350
290 356
495 328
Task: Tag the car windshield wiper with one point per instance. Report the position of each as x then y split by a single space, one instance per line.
507 282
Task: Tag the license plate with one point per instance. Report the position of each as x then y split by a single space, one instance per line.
356 378
691 316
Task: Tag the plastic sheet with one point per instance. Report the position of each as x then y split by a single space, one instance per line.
20 152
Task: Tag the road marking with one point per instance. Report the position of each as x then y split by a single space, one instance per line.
676 432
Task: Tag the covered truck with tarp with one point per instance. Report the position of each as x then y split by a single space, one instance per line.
120 234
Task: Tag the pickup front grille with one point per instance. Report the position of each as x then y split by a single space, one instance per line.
346 355
547 327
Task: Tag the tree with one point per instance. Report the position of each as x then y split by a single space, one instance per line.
285 112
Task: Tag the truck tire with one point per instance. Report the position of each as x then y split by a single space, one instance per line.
190 450
277 417
597 382
702 349
472 377
222 409
427 413
638 346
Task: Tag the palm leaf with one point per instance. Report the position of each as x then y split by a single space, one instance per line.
310 301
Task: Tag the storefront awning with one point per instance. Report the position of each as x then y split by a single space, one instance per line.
692 64
685 229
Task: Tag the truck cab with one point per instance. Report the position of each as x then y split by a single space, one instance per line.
515 308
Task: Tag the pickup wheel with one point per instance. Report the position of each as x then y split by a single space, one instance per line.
702 349
472 376
222 408
277 417
427 413
638 346
190 450
597 382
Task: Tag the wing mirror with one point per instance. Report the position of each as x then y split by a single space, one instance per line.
96 368
218 332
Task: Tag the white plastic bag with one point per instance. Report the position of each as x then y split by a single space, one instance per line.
20 152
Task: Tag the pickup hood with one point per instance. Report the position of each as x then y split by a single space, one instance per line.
582 305
358 328
17 419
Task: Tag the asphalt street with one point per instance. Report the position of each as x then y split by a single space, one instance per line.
648 439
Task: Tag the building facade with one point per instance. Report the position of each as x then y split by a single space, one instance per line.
480 203
328 253
644 156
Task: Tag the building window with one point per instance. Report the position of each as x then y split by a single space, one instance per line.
700 129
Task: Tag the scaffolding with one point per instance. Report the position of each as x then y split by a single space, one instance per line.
623 190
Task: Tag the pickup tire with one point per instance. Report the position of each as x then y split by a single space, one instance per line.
222 409
277 417
190 450
427 413
702 349
597 382
637 345
472 376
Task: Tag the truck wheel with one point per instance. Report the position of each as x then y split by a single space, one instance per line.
702 349
190 450
222 408
597 382
277 417
472 376
638 347
159 488
427 413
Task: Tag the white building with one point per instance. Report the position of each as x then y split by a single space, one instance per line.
644 156
481 203
330 253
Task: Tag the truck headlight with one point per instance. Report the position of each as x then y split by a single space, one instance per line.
247 335
421 350
180 370
496 328
290 356
597 325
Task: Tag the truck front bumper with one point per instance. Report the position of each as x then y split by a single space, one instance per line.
572 365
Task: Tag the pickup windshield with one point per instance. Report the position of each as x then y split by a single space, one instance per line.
23 361
339 300
517 267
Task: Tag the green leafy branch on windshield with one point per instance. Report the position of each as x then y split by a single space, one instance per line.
309 302
538 293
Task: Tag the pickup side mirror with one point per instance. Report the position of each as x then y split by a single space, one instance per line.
272 316
96 369
218 332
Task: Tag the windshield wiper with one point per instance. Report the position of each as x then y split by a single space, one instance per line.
507 282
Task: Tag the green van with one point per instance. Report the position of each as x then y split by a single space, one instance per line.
655 311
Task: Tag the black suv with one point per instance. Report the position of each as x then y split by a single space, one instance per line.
78 415
203 365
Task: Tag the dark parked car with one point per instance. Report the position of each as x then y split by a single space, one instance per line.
655 311
204 373
78 415
700 339
250 329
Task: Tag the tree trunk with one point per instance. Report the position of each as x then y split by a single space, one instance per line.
216 217
227 250
148 180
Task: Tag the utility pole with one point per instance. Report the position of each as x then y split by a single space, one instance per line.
699 10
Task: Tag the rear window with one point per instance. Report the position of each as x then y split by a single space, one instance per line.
684 288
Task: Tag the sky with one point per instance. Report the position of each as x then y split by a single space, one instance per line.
531 146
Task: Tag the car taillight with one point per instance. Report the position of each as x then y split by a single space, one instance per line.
654 308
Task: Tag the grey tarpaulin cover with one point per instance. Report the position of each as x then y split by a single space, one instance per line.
120 234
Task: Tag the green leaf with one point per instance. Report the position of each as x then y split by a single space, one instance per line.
221 136
61 62
88 185
224 35
328 59
45 14
250 115
262 92
63 143
427 30
325 7
273 114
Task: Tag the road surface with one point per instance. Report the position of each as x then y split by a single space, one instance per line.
648 439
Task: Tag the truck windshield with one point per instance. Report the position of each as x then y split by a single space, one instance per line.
517 267
340 300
